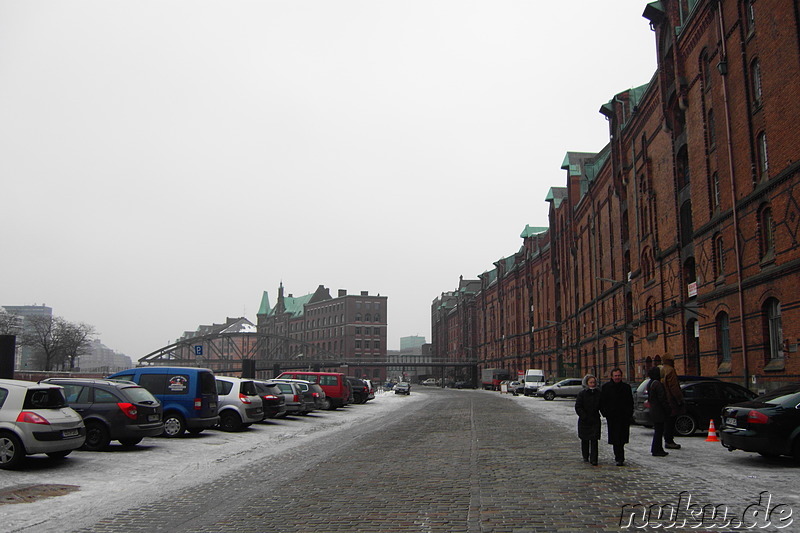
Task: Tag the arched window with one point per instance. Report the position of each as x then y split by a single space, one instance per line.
687 228
367 318
773 330
712 130
377 317
682 169
763 161
750 17
358 318
719 256
706 66
766 229
755 83
723 337
715 191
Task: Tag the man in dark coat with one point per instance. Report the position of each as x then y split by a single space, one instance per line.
616 404
587 405
659 410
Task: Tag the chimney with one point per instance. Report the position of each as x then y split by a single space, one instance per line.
342 292
364 293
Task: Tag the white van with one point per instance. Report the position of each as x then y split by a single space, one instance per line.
534 378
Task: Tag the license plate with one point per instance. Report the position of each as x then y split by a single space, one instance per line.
153 418
212 405
730 421
70 433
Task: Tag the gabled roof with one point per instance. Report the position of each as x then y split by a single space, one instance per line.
556 195
530 231
295 305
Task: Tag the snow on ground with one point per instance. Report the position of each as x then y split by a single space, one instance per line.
740 475
123 478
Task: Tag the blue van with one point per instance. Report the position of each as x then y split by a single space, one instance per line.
188 395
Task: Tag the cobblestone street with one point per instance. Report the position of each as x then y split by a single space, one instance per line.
458 461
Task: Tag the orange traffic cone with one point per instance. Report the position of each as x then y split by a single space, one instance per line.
712 432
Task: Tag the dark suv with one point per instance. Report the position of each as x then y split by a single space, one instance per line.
272 398
360 390
112 410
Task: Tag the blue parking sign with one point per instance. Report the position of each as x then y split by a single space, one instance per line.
198 350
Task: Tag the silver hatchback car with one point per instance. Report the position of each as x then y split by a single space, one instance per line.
565 387
239 403
35 418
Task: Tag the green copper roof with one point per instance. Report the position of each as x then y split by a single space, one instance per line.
529 231
265 308
556 195
295 305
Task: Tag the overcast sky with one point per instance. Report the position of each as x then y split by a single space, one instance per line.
165 162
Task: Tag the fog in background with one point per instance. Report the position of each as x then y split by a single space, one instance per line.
165 162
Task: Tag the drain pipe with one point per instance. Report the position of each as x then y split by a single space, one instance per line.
723 70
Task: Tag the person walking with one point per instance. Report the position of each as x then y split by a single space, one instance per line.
587 405
669 377
659 410
616 404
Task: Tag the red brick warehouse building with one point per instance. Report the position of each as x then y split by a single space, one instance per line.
317 327
681 235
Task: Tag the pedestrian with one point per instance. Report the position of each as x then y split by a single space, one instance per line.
675 398
587 405
659 410
616 404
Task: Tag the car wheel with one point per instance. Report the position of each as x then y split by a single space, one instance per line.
11 450
59 455
230 421
549 395
97 437
174 426
685 425
130 442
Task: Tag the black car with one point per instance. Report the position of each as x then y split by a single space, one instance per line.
112 410
768 425
360 390
272 399
704 401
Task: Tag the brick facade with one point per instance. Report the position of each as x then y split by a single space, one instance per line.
681 235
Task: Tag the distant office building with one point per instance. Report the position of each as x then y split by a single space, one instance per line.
24 359
411 345
102 359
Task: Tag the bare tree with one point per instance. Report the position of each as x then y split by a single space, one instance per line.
9 324
57 342
41 334
75 340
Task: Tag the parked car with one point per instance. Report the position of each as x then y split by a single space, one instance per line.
188 396
336 387
272 399
768 425
704 399
35 418
239 403
293 396
464 385
563 388
430 381
402 387
112 410
515 387
312 395
359 388
370 389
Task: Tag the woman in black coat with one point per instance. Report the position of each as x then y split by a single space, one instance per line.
659 410
616 404
587 405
